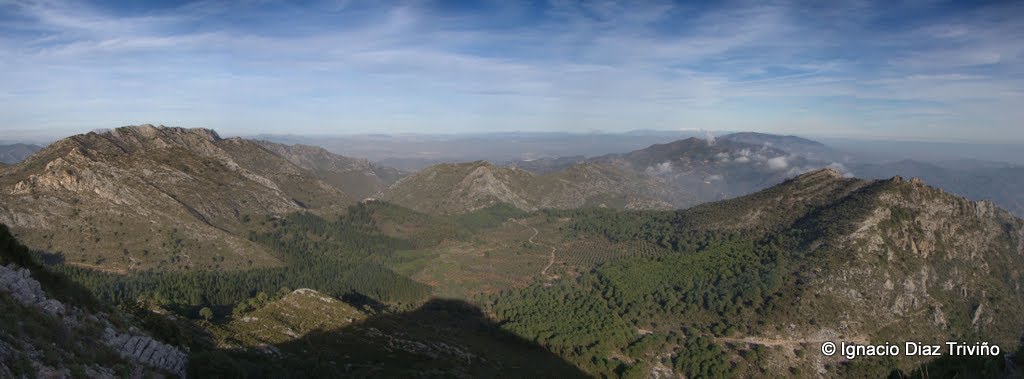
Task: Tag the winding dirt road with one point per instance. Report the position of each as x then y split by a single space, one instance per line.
551 260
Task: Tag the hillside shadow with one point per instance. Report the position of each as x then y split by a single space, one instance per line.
55 284
442 338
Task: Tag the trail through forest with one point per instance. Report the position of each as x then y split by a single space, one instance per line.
551 260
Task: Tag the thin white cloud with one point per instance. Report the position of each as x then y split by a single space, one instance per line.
605 65
778 163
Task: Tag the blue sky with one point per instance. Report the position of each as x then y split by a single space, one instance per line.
918 70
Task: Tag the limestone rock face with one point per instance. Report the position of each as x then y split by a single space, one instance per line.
139 197
19 283
144 349
132 344
909 260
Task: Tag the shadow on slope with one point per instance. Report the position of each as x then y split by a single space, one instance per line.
449 338
56 285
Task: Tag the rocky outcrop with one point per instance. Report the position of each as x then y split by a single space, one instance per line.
19 283
132 345
140 348
917 264
176 188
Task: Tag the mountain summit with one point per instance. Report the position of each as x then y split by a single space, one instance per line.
143 197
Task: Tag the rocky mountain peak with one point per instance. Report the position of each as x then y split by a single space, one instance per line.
129 139
825 172
162 136
165 180
154 132
822 175
480 163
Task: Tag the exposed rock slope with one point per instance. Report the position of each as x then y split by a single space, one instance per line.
883 260
920 264
64 339
146 197
1000 184
19 284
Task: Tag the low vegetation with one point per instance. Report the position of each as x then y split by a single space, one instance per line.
745 287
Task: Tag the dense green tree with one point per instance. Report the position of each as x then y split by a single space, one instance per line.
206 313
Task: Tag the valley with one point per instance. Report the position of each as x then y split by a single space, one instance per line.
263 260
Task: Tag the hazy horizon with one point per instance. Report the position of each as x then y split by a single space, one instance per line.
41 137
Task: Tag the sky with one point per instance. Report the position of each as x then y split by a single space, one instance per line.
925 70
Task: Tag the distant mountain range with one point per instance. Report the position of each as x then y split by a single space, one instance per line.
695 170
678 174
417 151
1001 184
740 163
464 187
11 154
189 189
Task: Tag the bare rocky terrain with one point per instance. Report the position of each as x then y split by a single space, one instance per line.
893 260
145 197
140 353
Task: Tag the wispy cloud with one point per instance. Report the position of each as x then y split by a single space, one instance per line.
352 66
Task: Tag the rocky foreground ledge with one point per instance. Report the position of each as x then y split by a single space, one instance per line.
132 344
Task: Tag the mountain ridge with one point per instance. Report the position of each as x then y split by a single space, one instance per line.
356 176
17 152
769 276
701 170
463 187
179 189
